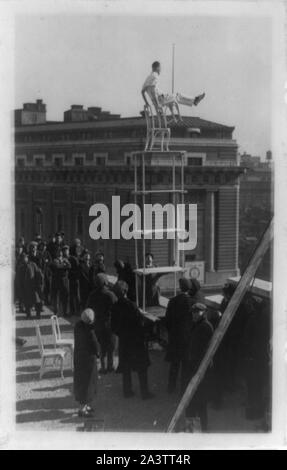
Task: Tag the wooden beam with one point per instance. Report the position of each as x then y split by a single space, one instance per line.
227 317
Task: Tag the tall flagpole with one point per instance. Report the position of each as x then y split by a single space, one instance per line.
173 57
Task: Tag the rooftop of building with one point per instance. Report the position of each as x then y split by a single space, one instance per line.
132 122
77 117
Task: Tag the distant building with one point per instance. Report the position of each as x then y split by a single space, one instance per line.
269 155
256 184
63 168
248 160
31 113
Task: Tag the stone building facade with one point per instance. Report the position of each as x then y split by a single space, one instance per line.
63 168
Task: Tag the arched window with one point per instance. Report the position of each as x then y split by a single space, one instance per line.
80 223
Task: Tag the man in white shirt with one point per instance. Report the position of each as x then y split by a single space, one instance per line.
160 99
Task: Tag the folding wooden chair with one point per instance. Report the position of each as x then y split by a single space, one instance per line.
54 355
59 342
158 134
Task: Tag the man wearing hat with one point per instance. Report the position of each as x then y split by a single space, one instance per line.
56 244
198 338
60 283
178 314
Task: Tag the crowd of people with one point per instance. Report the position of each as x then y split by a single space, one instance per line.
55 274
72 282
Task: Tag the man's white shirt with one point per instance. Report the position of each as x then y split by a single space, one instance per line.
152 81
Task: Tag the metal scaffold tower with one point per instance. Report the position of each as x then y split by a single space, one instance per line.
157 154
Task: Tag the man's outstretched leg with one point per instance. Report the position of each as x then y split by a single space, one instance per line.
188 101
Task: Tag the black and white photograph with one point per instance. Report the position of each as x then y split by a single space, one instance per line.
143 223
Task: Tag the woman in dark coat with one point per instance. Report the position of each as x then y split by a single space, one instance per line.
86 351
127 323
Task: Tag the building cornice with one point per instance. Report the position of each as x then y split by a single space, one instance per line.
175 142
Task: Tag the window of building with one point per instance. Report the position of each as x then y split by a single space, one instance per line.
20 162
80 195
39 162
58 159
79 161
128 159
100 161
58 162
60 222
194 161
60 194
80 224
38 159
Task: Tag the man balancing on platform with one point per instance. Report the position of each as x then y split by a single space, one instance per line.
160 99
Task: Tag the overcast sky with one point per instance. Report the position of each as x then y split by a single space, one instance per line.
103 61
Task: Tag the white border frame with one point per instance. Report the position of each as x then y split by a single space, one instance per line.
10 438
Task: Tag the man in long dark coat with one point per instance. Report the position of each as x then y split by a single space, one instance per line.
44 262
101 301
60 283
85 272
178 314
74 286
127 323
86 351
200 336
31 285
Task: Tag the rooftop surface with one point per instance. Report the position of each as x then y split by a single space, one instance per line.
129 122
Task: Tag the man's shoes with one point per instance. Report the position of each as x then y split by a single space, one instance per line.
110 370
198 98
103 371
